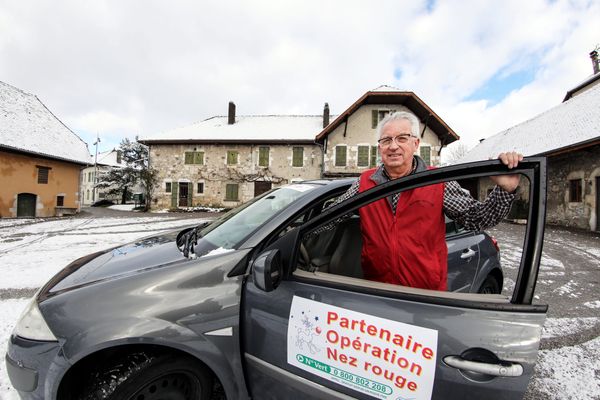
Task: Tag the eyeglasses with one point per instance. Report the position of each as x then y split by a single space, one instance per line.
387 141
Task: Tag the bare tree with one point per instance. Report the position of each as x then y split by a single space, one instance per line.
456 151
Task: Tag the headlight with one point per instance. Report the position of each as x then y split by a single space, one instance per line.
31 324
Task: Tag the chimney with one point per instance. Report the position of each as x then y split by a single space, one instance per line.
231 114
325 115
595 64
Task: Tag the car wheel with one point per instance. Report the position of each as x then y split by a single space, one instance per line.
149 377
490 286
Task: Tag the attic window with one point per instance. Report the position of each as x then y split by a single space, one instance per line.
378 115
43 173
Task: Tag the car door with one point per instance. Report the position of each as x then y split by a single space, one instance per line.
322 336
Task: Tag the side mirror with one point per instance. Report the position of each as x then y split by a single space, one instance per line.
267 270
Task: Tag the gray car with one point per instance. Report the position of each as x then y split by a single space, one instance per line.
252 306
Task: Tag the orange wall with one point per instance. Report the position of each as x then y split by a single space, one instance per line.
19 174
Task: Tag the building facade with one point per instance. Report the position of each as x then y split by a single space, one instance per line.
103 163
225 161
40 159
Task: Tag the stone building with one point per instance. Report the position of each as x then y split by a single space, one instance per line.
225 161
40 159
569 135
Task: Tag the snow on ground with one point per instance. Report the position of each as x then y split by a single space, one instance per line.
31 251
570 372
122 207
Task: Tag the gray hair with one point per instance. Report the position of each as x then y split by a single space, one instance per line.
398 115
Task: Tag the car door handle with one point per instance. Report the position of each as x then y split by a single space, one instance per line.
468 253
504 369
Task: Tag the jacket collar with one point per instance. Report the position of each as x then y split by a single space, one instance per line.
380 175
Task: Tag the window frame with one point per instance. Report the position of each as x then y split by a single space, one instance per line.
336 155
264 156
169 187
43 174
576 190
366 157
423 147
295 151
232 155
198 191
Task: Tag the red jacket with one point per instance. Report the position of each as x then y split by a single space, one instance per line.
407 248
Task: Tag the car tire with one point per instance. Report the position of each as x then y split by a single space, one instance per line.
489 286
149 377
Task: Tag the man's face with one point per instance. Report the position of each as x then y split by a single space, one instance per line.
397 155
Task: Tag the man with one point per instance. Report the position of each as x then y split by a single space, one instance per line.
404 234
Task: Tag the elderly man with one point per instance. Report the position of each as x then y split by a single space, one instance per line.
404 234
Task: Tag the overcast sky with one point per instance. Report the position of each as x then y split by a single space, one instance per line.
127 68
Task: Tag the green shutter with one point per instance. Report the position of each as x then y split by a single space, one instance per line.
374 118
199 157
363 156
425 152
232 157
340 156
263 156
189 157
174 188
373 156
297 156
231 192
190 186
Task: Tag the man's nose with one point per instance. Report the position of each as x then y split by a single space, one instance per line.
394 144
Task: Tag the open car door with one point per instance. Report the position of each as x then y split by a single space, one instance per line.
319 333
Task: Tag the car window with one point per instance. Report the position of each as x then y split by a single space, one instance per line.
483 261
235 226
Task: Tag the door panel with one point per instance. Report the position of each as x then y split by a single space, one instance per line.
475 342
183 194
26 205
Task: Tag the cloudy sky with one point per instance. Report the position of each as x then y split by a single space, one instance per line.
126 68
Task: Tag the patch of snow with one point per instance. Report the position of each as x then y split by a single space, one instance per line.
122 207
569 373
555 327
592 304
215 252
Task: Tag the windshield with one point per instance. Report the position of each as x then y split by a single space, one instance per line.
227 232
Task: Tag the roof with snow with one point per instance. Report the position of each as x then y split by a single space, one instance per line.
247 128
390 95
26 125
570 125
108 158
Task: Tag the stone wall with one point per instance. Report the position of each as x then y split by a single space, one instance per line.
215 173
581 165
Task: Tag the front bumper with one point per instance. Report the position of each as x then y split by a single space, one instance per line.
33 367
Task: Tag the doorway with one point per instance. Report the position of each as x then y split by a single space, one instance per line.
260 187
184 194
26 204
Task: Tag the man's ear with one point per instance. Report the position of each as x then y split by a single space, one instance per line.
417 141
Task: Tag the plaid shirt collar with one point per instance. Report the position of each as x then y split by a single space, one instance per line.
381 176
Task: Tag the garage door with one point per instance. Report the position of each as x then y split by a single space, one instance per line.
26 205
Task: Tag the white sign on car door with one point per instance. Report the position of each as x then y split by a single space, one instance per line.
380 357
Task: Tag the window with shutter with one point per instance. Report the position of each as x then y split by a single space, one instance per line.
263 156
199 158
232 157
297 156
340 156
189 157
374 156
363 156
425 153
231 192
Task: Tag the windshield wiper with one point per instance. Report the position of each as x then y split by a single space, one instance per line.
187 239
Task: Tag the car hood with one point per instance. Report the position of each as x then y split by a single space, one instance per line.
147 253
